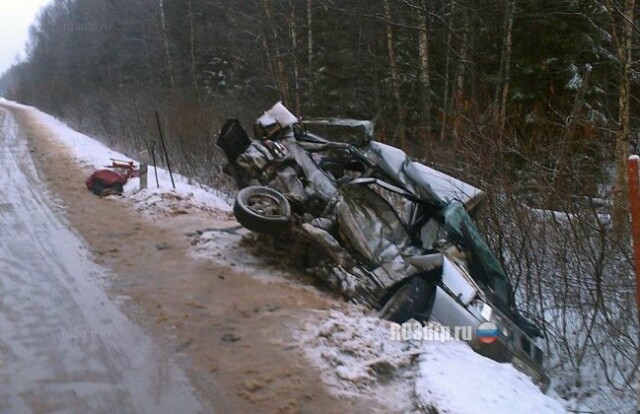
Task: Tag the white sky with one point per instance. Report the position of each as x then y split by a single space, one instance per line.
16 17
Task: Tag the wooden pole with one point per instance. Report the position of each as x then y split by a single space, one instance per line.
155 164
144 165
634 206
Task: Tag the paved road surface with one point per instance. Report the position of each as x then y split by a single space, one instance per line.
64 345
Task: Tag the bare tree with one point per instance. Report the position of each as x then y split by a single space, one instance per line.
458 96
444 118
425 76
294 56
192 50
165 42
624 44
395 78
502 87
310 70
278 64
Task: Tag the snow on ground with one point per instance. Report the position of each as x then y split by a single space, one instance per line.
563 217
456 380
347 347
234 246
358 355
354 349
164 200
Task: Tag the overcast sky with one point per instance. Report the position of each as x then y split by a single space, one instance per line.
16 17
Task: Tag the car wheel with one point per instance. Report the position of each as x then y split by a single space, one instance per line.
118 188
413 300
98 187
262 209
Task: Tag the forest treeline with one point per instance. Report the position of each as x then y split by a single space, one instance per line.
525 89
533 101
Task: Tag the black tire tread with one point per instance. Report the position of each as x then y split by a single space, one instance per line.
415 299
255 222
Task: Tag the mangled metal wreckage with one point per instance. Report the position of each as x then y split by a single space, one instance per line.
396 234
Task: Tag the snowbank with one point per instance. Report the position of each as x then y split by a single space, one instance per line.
455 379
357 355
95 155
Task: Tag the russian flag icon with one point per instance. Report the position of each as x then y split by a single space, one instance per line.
487 333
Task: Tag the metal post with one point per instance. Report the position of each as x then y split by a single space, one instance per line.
164 149
634 206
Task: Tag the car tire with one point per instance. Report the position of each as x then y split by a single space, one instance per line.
262 209
98 187
413 300
118 188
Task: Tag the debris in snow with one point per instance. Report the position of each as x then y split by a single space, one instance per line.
230 338
163 246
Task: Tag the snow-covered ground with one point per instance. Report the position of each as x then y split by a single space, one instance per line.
358 355
354 349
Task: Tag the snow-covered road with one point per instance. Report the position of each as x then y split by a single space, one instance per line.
64 345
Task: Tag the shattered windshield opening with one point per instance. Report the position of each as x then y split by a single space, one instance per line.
486 267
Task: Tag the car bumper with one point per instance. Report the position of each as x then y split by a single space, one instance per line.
449 312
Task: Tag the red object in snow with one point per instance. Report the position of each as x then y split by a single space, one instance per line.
108 178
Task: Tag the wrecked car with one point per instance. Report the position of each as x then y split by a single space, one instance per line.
395 234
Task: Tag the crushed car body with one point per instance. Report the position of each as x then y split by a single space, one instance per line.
394 233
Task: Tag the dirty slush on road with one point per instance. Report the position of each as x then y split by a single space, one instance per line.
230 331
64 345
